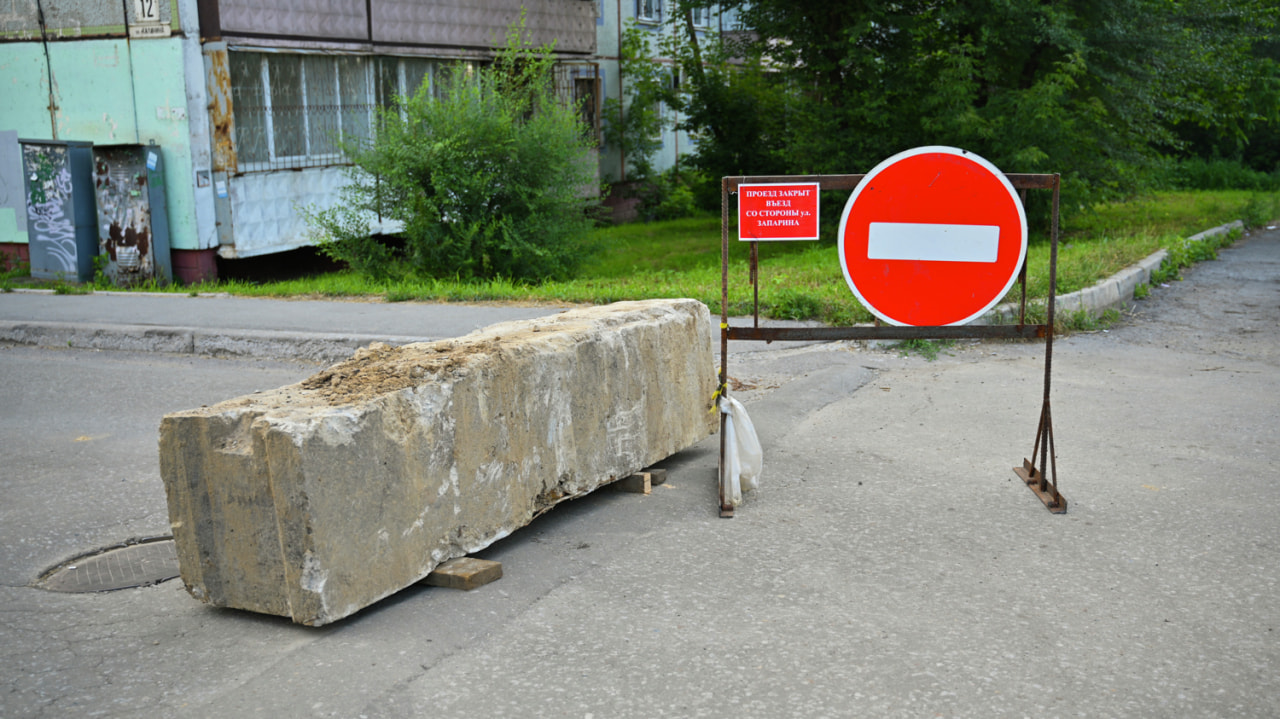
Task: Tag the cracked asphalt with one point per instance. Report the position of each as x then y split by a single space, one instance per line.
890 565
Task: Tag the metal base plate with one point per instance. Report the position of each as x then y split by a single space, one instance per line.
1053 500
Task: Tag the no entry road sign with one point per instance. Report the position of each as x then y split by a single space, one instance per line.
932 236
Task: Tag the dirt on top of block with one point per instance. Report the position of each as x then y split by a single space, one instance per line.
381 369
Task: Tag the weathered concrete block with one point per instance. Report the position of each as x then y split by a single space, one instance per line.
317 499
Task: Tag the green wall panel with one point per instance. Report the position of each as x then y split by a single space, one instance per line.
108 91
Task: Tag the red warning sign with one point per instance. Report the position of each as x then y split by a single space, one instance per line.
932 236
778 212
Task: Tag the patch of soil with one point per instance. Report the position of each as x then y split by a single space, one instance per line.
381 369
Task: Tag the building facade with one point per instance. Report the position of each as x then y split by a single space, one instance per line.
656 18
245 100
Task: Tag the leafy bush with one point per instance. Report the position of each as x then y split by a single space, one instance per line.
1261 209
1200 174
1188 252
666 197
489 175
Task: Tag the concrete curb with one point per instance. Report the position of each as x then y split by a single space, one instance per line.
1114 292
318 347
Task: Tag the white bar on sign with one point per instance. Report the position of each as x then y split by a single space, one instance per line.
933 242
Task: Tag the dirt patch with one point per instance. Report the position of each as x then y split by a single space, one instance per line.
380 369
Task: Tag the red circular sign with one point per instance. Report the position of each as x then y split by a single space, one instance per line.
932 236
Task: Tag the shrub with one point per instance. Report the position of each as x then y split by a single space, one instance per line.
489 175
1261 209
1217 174
665 197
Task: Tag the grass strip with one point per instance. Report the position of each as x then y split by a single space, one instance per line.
798 280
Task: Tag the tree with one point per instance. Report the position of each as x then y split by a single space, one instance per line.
489 176
734 110
1089 88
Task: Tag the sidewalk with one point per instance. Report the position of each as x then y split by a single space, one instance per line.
219 325
322 331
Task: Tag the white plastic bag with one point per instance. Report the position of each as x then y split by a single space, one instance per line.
743 458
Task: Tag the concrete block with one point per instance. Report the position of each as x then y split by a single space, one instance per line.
314 500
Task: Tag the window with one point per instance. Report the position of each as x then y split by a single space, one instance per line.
292 110
702 17
578 83
649 10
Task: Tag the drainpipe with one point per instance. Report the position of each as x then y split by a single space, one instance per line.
48 66
133 76
622 153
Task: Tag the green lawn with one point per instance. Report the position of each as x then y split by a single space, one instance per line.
800 280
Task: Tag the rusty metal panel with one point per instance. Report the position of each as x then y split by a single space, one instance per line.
222 128
221 117
321 19
571 24
133 227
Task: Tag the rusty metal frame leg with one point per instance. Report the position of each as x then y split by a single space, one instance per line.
726 507
1046 487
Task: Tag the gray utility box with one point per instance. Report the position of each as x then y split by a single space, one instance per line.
133 225
61 222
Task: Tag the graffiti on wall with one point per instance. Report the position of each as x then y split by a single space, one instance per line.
49 208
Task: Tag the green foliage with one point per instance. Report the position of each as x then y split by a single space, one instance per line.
61 286
10 269
343 233
928 349
666 196
1261 209
736 112
100 279
794 304
635 124
1196 173
1092 90
1185 253
488 174
1085 321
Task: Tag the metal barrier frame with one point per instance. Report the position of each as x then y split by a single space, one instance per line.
1044 486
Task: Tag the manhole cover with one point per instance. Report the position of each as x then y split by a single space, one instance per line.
134 564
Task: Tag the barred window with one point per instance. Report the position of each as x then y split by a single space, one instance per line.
578 83
293 110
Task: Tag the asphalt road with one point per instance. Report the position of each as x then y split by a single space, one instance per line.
890 565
